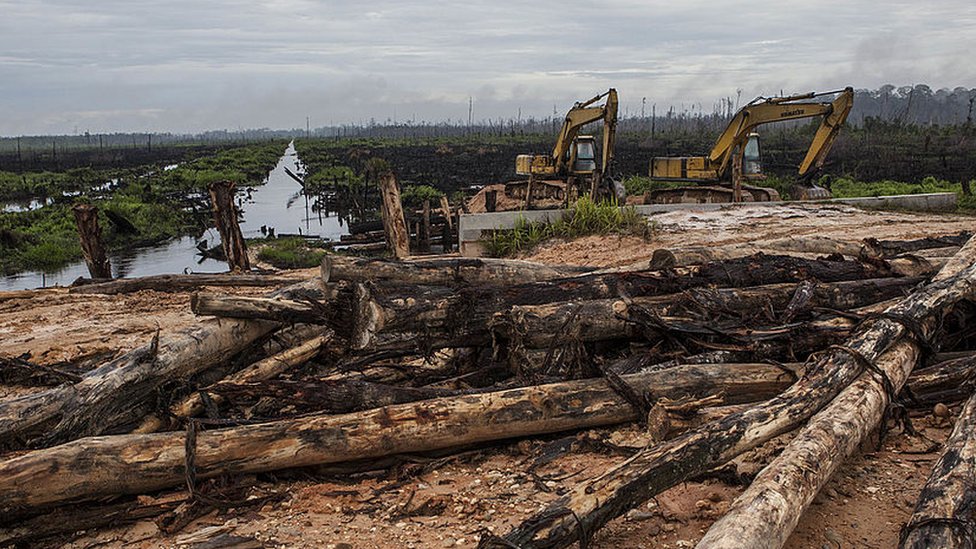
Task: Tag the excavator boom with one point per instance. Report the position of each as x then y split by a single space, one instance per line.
723 166
779 109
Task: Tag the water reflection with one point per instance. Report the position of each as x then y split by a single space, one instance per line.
279 204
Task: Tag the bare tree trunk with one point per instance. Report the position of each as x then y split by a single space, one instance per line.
882 341
179 283
86 216
225 216
123 391
943 516
459 271
766 513
130 464
393 223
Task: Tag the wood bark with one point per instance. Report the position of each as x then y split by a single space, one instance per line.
86 217
261 370
100 466
443 317
179 283
425 228
541 326
225 217
943 516
287 311
123 391
883 341
806 246
139 463
453 271
766 513
394 225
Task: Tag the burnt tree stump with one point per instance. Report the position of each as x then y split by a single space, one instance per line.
225 216
86 216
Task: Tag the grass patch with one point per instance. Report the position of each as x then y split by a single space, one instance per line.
585 218
849 188
290 253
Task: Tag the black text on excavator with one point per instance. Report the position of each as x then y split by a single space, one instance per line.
734 162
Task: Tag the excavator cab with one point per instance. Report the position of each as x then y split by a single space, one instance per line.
752 158
583 155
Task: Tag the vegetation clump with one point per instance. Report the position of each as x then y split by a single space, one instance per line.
585 218
290 253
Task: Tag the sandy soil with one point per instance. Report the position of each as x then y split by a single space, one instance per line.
754 224
450 502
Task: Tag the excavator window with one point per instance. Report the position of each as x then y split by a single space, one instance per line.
585 156
751 156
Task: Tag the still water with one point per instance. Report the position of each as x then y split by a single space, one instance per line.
279 204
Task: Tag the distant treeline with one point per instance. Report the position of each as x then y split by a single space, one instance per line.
893 132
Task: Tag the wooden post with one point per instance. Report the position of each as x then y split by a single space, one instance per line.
424 227
447 237
446 210
392 210
86 216
491 198
225 216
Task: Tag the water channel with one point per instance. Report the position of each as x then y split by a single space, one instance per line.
280 204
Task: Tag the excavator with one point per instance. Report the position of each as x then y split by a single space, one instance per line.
572 165
735 162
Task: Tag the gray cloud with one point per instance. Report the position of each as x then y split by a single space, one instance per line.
189 66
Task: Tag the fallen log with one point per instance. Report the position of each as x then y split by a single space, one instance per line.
130 464
179 283
806 246
896 247
883 341
444 271
287 311
122 391
541 326
261 370
943 516
766 513
440 317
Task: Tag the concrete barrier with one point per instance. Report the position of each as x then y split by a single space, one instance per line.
472 226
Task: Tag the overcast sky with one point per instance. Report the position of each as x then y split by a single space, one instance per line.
187 66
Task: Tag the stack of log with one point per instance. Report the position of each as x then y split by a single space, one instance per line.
717 350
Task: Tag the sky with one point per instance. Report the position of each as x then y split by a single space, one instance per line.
181 66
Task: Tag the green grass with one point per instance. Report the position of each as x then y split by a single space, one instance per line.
848 188
585 218
290 253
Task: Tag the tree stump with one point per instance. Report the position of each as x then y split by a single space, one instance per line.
225 216
86 216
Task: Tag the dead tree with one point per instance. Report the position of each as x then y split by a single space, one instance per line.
397 238
86 216
225 217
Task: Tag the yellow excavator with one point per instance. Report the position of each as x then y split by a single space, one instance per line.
572 165
735 162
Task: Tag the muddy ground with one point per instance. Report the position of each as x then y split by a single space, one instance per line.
450 501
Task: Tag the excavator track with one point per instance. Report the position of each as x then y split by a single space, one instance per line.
714 194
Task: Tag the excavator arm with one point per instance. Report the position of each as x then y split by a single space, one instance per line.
778 109
579 115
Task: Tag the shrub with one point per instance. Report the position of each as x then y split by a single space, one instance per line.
585 218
